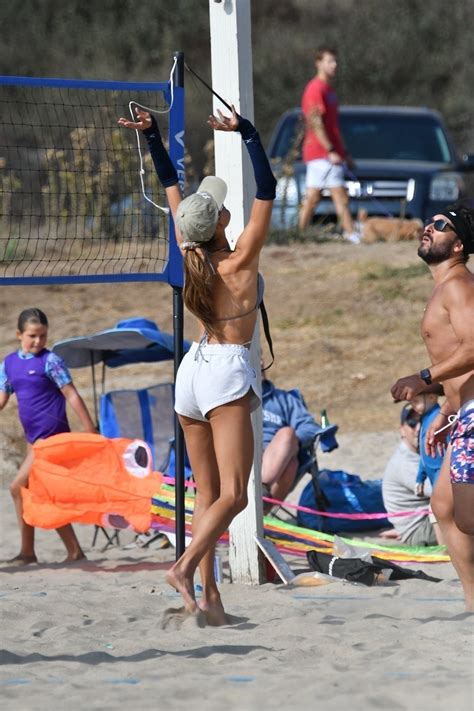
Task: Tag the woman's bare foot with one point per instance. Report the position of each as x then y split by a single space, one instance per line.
184 585
19 560
214 610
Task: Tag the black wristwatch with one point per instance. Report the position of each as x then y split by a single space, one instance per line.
331 149
425 375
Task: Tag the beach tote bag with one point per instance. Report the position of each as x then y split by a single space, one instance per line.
345 493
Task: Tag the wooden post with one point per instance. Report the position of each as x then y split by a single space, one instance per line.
231 58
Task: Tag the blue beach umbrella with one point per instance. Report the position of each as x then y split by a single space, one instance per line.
135 340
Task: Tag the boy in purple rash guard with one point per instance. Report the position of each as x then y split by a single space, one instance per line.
42 385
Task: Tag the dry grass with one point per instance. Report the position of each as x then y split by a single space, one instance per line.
345 324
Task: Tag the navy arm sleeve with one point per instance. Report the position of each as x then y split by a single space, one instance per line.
163 164
266 183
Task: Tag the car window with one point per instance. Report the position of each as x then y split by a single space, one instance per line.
411 138
289 138
373 137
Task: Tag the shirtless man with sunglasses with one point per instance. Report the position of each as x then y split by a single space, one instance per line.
448 331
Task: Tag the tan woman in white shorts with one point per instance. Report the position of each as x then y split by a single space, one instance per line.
216 387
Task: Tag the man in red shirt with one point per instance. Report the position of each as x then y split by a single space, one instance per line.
323 148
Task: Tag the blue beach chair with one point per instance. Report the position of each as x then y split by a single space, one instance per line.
145 414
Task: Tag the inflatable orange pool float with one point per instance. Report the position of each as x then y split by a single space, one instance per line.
86 478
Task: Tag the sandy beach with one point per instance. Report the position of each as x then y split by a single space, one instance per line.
90 635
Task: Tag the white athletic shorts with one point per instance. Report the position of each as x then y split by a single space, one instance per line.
211 375
321 173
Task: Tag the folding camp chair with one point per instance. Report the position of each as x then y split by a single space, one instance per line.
146 414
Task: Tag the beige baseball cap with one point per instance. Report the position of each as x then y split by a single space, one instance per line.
197 215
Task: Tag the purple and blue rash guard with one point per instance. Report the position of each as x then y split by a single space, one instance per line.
36 381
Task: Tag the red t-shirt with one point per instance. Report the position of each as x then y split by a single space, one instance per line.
318 94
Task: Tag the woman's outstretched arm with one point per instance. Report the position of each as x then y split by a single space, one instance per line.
164 167
252 238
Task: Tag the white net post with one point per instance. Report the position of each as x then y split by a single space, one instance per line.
231 55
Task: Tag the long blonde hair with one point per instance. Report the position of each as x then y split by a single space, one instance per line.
198 296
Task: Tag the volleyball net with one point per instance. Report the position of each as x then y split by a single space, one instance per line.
79 196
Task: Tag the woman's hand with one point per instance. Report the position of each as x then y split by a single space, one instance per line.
224 123
143 120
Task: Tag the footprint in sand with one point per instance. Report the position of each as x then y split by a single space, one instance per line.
177 618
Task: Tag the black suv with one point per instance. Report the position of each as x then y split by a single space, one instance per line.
406 163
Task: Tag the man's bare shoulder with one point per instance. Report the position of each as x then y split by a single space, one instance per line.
459 289
462 280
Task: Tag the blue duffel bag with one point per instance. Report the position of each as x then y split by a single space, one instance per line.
342 493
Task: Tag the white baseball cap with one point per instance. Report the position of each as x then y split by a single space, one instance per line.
197 215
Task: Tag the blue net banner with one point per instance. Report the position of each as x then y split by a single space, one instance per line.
72 204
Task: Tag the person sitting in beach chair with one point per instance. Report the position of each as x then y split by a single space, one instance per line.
398 487
289 436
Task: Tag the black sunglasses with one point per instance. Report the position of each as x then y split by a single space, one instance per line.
412 421
440 225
